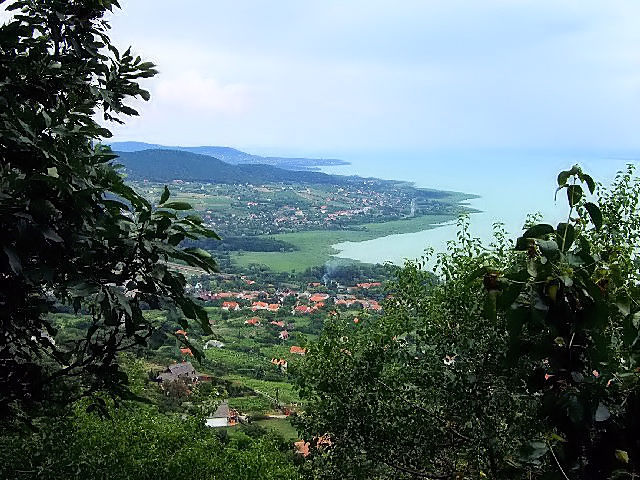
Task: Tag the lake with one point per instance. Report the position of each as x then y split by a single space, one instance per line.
510 185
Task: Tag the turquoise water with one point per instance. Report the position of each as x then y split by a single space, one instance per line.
510 185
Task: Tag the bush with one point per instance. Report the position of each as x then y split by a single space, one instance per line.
522 362
138 442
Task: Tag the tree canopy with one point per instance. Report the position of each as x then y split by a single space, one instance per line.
72 233
521 362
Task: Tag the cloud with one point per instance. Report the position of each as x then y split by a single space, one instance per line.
327 75
193 91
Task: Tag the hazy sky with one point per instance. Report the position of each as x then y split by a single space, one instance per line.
331 77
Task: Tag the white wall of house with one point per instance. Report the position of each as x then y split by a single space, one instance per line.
216 422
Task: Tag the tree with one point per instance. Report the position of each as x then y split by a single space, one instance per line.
71 231
522 362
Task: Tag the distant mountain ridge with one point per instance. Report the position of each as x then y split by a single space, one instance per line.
168 165
233 156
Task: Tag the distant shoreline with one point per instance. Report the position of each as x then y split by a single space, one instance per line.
234 156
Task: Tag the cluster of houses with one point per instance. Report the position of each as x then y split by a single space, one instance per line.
307 303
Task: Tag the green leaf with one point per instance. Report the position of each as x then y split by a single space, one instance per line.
549 248
565 235
574 194
523 244
165 195
52 235
591 185
602 413
565 174
595 214
178 206
538 231
622 456
14 260
563 177
198 252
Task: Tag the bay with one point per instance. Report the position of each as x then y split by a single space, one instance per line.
510 184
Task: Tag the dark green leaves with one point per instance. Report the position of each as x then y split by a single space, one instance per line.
165 195
574 194
566 174
602 413
73 234
591 184
14 260
565 235
538 231
178 206
595 214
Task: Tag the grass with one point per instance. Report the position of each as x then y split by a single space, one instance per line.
251 405
234 360
315 247
286 392
281 427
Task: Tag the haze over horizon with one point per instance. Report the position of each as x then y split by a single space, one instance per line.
332 78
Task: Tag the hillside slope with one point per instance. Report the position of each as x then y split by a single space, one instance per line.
168 165
232 155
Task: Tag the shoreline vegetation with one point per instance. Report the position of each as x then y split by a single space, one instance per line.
317 247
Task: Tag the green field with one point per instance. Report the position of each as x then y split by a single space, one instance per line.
280 426
286 392
315 247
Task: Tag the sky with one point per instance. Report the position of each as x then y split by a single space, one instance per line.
334 77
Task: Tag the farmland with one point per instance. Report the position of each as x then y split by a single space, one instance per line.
291 227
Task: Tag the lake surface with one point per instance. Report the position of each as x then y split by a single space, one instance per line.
510 185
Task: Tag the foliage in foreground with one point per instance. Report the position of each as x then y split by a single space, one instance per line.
72 232
139 443
523 362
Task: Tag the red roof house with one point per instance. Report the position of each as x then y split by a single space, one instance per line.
259 306
230 306
319 297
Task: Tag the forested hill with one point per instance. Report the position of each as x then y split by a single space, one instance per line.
233 156
168 165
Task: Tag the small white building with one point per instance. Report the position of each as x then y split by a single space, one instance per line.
220 418
224 417
213 344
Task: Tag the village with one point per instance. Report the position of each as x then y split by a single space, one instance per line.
260 336
252 210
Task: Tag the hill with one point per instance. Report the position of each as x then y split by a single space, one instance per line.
233 156
168 165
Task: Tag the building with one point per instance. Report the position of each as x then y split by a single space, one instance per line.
179 371
281 363
259 306
213 344
274 307
297 350
318 297
230 306
302 309
223 417
284 335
